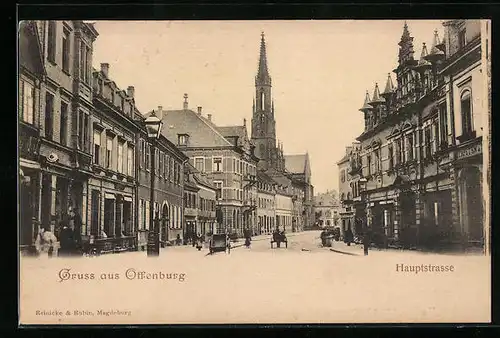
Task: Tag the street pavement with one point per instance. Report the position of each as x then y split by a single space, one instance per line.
302 283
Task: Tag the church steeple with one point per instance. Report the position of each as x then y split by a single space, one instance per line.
263 123
406 50
263 77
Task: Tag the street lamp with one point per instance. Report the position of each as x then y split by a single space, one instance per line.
153 128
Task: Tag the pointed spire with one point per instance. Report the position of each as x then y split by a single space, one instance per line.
389 86
376 96
253 105
423 64
406 46
366 105
263 72
436 52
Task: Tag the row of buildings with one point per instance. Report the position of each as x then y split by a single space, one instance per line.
417 173
83 147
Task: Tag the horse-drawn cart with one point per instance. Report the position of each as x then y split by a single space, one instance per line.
278 238
219 242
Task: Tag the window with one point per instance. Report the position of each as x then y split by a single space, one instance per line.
409 139
391 156
398 151
466 113
147 216
160 164
199 163
147 157
427 145
378 160
26 101
217 164
83 130
262 100
342 176
435 139
97 147
64 123
109 151
95 211
443 124
85 65
130 161
51 42
183 140
49 111
218 192
120 157
462 38
171 171
369 164
65 51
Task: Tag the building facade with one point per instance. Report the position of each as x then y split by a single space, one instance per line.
168 205
294 169
55 106
200 201
352 208
266 210
31 75
421 150
327 210
225 156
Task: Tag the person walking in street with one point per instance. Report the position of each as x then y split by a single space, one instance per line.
348 236
366 240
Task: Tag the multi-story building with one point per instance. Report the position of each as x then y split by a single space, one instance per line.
327 210
225 155
200 200
421 148
31 74
352 209
266 212
284 208
298 168
112 182
168 205
55 125
272 159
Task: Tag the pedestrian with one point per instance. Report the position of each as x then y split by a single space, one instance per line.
366 240
348 236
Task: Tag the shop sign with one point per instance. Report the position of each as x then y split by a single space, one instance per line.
471 151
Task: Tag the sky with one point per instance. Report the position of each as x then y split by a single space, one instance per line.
320 71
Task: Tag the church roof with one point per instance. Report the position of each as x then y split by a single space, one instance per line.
296 164
201 132
376 95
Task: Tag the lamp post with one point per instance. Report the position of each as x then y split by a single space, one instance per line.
153 128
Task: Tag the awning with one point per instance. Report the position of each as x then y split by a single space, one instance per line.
127 198
109 196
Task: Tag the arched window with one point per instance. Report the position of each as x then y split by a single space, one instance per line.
466 112
262 99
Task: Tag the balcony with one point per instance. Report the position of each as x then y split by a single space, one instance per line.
250 179
250 204
190 212
82 161
29 142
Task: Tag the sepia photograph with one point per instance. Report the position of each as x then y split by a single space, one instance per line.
254 172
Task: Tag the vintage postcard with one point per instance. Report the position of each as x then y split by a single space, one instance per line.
254 172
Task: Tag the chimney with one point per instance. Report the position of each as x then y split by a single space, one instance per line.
105 69
209 117
159 112
130 91
199 110
185 102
